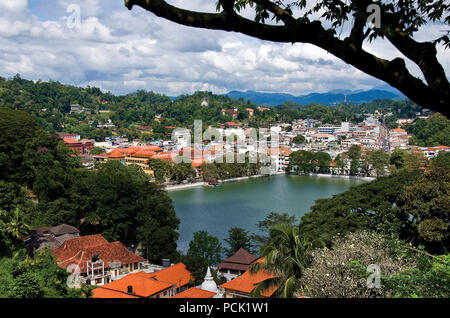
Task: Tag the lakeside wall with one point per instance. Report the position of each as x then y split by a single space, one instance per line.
202 183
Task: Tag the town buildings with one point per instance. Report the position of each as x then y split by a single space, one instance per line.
98 261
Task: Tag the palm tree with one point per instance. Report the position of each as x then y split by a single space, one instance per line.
15 224
286 256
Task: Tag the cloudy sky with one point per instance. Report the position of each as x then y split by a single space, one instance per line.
122 51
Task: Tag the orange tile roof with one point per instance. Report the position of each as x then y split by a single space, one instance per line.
167 156
248 281
143 154
117 153
177 275
79 250
142 286
195 292
106 293
398 130
152 148
69 140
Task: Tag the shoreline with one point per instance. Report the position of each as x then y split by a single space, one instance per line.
203 183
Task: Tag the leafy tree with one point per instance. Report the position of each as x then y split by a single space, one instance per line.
398 158
354 154
379 160
299 139
205 246
398 23
426 202
26 285
286 257
238 238
269 221
434 131
356 208
342 271
96 151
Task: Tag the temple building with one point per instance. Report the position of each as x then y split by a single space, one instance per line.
236 264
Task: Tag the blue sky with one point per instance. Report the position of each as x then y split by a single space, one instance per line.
122 51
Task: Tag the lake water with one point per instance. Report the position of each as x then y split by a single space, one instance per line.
244 203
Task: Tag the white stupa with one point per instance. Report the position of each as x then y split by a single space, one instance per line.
209 284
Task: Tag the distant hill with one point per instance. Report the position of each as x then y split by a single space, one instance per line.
331 98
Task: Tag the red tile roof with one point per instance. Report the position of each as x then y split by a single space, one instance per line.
106 293
240 260
195 292
248 281
177 275
81 249
142 287
70 140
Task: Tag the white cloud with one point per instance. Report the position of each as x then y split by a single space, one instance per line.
122 51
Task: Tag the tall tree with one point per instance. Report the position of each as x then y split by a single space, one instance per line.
206 247
285 257
269 221
238 238
396 22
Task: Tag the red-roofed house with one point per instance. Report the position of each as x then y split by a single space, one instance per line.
236 264
164 283
195 292
81 147
134 285
243 285
99 261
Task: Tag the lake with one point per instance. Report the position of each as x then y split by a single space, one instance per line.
244 203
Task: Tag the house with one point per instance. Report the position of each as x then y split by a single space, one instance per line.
178 275
81 147
134 285
74 136
164 283
76 109
251 111
50 236
243 285
98 260
136 156
236 264
233 112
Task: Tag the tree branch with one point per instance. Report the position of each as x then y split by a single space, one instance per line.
349 50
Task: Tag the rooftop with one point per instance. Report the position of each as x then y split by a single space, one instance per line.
240 260
248 281
194 292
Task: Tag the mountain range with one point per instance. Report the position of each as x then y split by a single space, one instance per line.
330 98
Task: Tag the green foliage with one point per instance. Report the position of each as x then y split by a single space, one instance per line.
222 171
26 285
434 131
430 282
355 208
206 247
379 160
25 277
299 139
344 269
286 257
269 221
398 158
96 151
303 161
238 238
